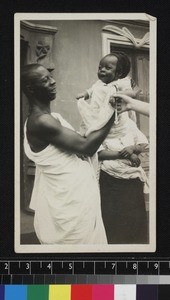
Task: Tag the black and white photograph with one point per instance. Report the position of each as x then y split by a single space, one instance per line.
85 132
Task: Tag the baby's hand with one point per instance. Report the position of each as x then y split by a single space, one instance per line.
127 152
80 95
135 160
84 95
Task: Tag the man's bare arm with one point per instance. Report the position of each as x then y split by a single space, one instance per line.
108 155
51 131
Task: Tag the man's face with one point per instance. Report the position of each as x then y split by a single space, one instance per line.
43 85
107 69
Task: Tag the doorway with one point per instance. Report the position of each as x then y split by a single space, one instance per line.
139 73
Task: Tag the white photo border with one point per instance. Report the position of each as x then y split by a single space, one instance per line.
151 247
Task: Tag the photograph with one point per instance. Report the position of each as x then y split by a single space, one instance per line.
85 132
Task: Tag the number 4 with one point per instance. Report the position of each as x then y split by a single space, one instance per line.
49 266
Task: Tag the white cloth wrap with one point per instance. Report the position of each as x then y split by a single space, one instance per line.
65 197
122 135
96 114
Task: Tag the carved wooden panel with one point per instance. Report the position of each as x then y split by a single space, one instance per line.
40 43
36 47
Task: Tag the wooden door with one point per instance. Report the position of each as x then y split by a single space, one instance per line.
140 75
27 179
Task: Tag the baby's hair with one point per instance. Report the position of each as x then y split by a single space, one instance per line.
123 63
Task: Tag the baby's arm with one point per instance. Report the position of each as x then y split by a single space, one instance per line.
84 95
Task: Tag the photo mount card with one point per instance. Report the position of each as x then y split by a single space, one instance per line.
70 47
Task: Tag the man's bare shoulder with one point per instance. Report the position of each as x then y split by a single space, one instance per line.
45 124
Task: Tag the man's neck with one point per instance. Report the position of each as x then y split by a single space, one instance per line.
41 107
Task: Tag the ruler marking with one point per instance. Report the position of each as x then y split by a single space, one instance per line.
51 268
73 267
158 268
9 269
154 265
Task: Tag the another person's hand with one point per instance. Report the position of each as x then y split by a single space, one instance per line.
123 102
127 103
135 160
116 102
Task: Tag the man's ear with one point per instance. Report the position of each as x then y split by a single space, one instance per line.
30 89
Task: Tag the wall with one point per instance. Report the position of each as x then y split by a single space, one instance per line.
76 53
77 50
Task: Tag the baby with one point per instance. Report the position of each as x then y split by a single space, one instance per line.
112 73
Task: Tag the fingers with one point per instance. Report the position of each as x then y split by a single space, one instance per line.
79 96
126 98
116 103
124 154
136 163
137 91
112 101
127 150
119 107
139 162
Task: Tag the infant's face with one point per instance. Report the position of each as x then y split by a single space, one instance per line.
107 69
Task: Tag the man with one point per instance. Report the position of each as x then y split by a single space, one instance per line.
65 196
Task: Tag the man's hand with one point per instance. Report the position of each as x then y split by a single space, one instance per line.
127 152
135 160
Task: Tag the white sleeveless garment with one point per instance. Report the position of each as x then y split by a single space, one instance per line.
65 197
